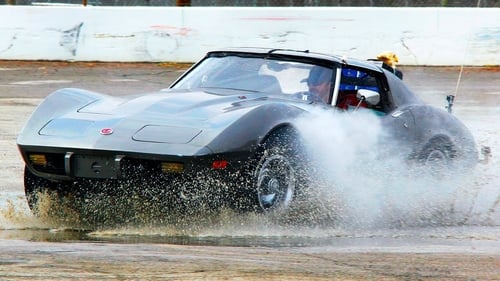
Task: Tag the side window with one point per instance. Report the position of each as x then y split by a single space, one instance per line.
352 80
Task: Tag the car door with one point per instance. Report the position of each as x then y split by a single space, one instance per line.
396 117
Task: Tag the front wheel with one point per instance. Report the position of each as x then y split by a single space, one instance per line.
34 188
279 175
276 182
46 199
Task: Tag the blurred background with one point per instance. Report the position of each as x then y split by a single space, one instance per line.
267 3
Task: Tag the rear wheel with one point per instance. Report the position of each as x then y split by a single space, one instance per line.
437 157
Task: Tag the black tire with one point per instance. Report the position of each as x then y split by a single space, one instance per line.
47 199
279 176
437 157
34 186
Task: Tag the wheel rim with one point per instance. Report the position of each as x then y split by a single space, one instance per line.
275 183
436 158
438 163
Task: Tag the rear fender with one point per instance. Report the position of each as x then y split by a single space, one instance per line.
445 128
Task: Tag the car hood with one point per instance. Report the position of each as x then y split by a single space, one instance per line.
171 122
196 106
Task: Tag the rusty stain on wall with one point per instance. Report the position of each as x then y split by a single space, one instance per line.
105 35
174 30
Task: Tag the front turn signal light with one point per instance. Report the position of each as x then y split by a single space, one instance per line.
172 167
38 159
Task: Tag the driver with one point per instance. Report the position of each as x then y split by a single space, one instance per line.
319 83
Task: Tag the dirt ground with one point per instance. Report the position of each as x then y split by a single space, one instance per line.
21 260
27 256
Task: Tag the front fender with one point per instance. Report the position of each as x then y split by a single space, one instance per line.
56 104
248 131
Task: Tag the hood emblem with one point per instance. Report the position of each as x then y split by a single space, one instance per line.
106 131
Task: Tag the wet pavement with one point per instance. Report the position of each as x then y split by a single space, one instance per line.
459 242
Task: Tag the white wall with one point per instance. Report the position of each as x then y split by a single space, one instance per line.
420 36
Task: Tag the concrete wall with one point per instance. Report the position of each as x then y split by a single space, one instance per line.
420 36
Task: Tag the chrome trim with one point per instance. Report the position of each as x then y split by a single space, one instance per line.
336 88
67 163
118 159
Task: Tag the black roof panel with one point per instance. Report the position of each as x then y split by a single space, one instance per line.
302 53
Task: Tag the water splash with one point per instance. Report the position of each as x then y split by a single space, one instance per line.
384 191
360 194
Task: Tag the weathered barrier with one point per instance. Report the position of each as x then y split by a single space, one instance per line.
420 36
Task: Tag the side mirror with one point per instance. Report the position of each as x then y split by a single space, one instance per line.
368 96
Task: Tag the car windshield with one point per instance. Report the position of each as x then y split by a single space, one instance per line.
270 76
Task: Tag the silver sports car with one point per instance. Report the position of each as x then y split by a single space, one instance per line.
226 129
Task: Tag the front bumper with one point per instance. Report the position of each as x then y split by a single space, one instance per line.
65 164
